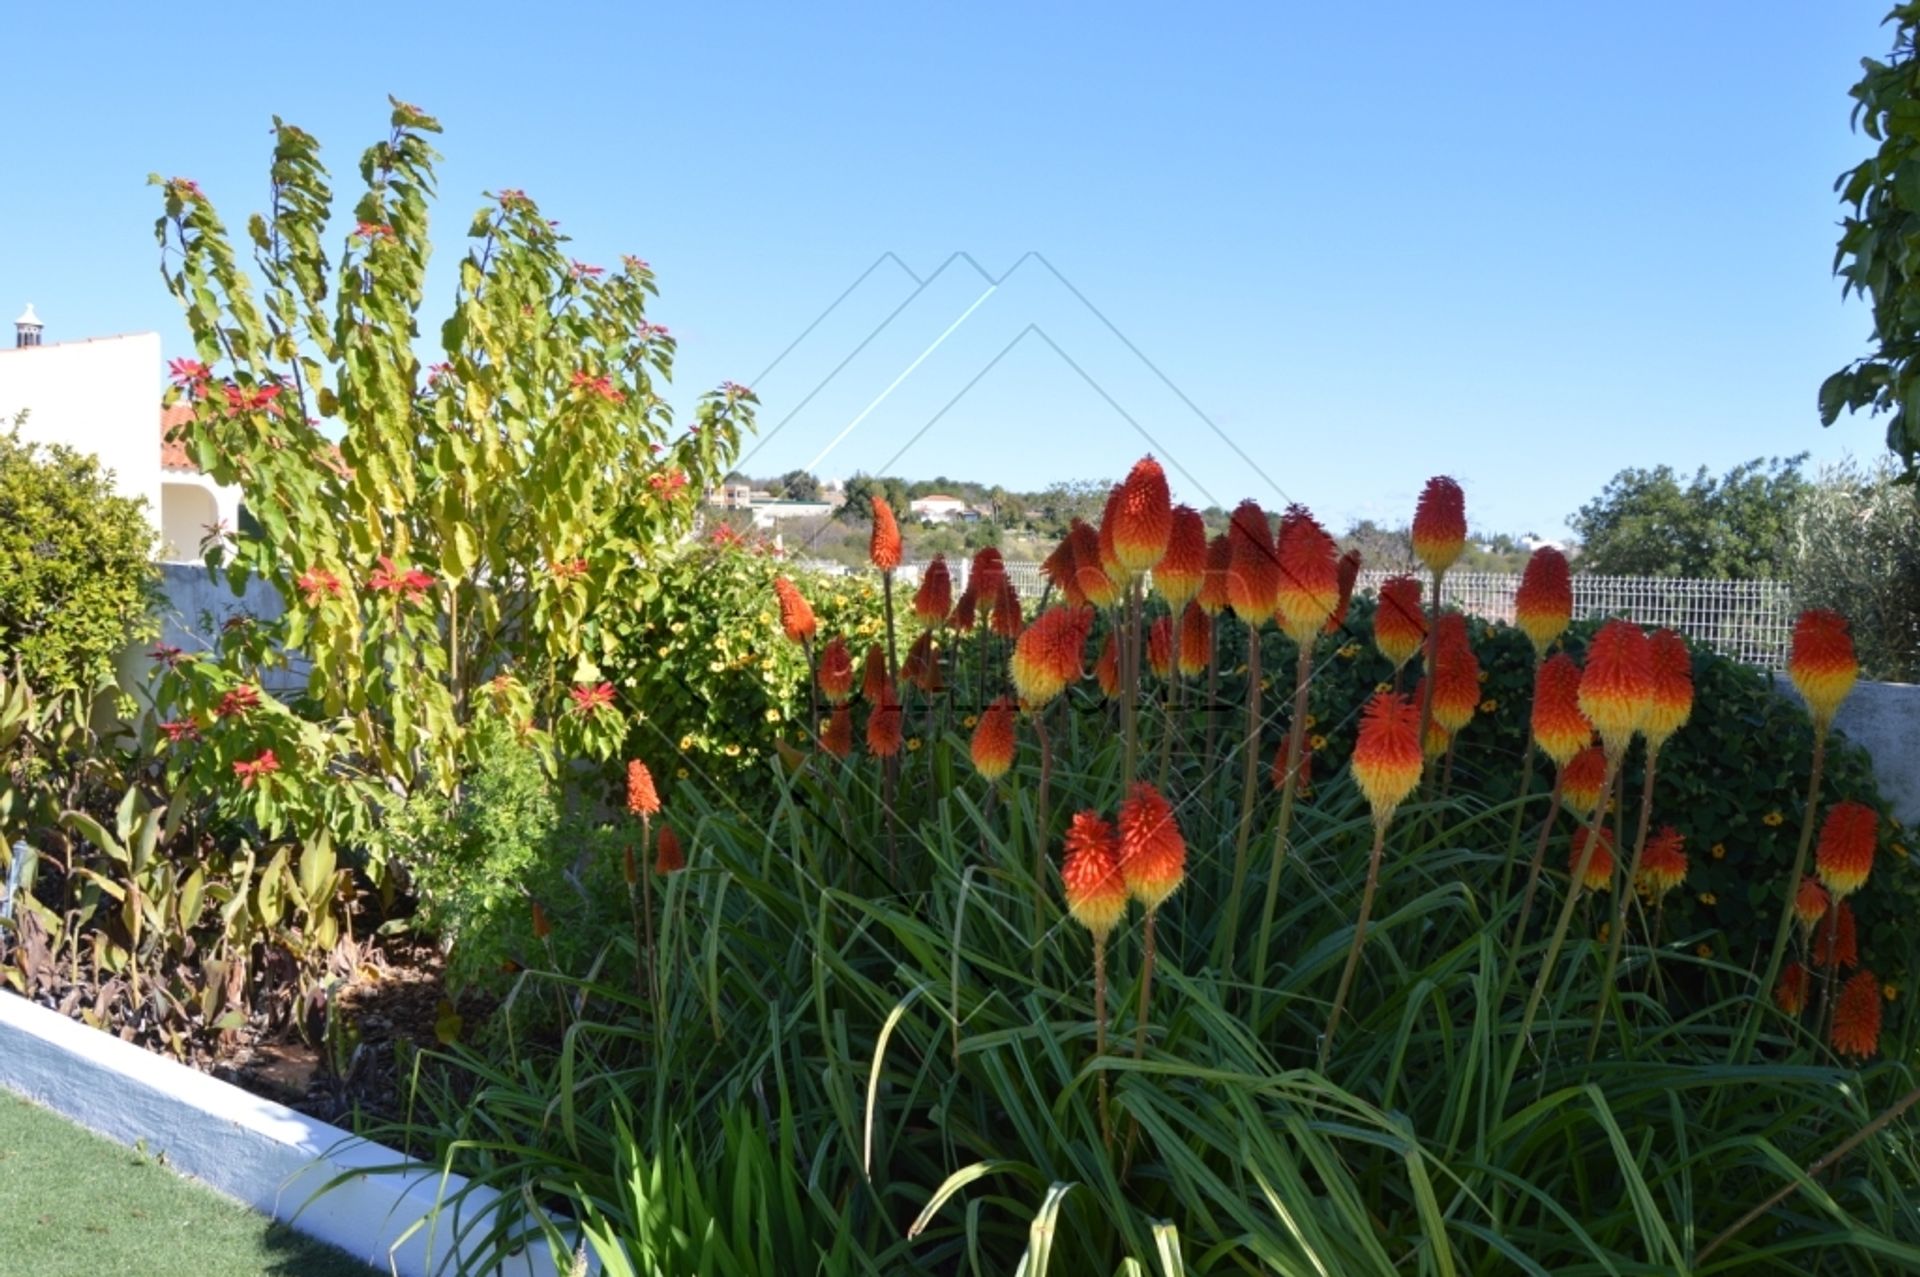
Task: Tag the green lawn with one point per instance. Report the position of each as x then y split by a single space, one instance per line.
75 1205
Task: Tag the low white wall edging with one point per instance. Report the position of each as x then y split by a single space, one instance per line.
262 1153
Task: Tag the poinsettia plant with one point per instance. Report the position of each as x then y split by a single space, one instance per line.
443 519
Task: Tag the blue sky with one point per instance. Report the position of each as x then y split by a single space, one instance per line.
1525 244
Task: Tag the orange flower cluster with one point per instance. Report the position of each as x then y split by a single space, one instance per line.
1599 871
1160 646
1559 728
1005 614
1856 1016
1051 653
1399 628
1791 993
1142 517
986 578
934 599
1253 566
1309 588
1213 590
1089 571
1153 855
1672 701
1810 903
837 739
993 740
1196 641
883 546
1822 663
1456 680
1663 865
642 798
885 725
796 614
668 856
1386 757
1090 874
1440 524
1836 940
873 681
1544 603
1616 687
1845 857
921 668
1183 569
1581 779
836 671
1348 575
963 612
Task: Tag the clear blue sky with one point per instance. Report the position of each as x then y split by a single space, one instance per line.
1527 244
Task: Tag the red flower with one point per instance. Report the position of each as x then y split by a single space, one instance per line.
993 742
580 269
591 698
1616 688
542 928
1348 575
883 546
1791 993
1196 640
251 771
1663 865
922 665
935 597
1387 757
1253 569
1836 938
241 701
568 569
165 654
963 611
1106 668
884 726
668 484
1672 701
1847 836
796 614
1144 517
1282 764
836 670
1456 680
1058 568
873 679
1822 665
373 230
190 374
1051 654
1160 646
1544 603
1810 903
1006 610
838 738
1182 570
177 730
1095 887
1153 855
602 387
317 584
1213 589
1856 1016
1440 524
668 858
1581 778
987 578
1559 728
1399 628
1090 576
388 579
1599 872
1309 587
642 798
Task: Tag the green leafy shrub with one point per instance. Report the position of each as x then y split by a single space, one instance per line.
1858 554
77 582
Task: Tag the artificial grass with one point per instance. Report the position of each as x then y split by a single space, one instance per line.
75 1205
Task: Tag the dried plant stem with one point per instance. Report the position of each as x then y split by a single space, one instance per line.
1359 938
1289 790
886 601
1751 1032
1231 923
1623 895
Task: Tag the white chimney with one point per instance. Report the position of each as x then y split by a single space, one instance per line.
26 329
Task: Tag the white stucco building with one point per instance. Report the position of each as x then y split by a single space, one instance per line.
937 507
102 395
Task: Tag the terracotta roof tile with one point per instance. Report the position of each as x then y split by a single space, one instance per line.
173 452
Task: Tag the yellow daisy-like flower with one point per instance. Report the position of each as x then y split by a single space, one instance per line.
766 618
1719 851
1708 898
913 743
1705 951
1773 820
686 743
1348 652
970 720
1315 741
1891 992
677 626
731 751
1606 930
682 773
1489 705
1312 721
714 667
773 715
1383 687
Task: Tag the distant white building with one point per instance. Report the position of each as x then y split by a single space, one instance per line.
102 395
937 507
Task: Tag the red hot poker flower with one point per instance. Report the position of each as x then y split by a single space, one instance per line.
837 739
1153 855
1253 566
1309 587
883 546
1006 610
934 600
1349 576
1440 524
1399 626
668 857
1581 779
1544 603
796 614
1090 874
1160 646
1837 932
1051 654
1145 517
1183 569
963 612
1822 665
1107 668
1387 757
1847 836
986 577
1196 641
1663 865
922 664
1856 1016
1810 903
1791 993
1213 589
642 798
1456 681
885 729
994 743
873 680
1672 701
1559 728
836 671
1089 571
1616 688
1599 872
